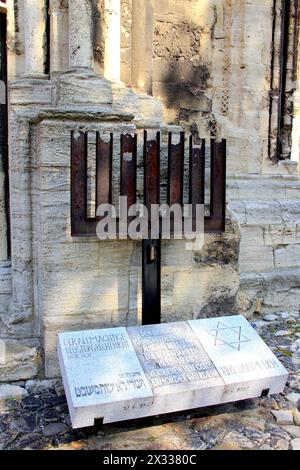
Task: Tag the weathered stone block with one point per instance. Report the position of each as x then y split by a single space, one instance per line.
21 362
276 290
287 256
254 254
85 88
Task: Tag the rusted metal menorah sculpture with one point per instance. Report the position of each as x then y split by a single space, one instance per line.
82 225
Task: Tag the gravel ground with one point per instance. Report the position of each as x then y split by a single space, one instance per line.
34 414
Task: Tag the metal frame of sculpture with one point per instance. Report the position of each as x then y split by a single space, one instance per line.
84 226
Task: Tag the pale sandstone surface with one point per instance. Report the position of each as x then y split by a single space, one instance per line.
207 67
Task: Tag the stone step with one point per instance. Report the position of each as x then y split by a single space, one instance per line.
258 212
270 291
265 188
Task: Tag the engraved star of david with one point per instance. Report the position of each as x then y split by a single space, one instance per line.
223 335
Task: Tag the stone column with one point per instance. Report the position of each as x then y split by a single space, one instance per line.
80 86
112 55
35 36
80 34
142 49
59 37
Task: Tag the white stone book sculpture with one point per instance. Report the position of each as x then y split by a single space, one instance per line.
125 373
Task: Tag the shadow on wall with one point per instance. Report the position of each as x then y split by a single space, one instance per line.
183 88
98 35
180 79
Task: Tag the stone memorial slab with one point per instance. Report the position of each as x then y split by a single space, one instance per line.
126 373
246 364
179 371
100 369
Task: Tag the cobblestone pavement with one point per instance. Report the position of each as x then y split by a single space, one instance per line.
34 414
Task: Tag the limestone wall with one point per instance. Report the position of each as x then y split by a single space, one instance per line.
212 70
209 62
208 66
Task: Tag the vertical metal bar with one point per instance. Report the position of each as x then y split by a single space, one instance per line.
272 74
197 173
128 167
295 16
79 141
151 282
48 38
104 152
151 171
218 184
284 46
175 171
151 248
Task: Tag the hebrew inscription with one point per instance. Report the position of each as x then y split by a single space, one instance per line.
128 373
102 366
